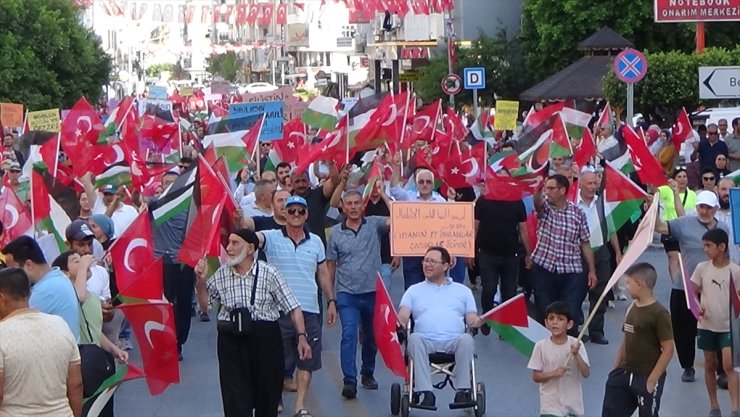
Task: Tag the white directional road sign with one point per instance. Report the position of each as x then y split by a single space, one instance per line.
474 78
719 82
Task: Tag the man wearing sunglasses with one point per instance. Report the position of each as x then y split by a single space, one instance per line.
710 147
299 255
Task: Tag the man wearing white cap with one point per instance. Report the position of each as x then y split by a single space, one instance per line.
688 230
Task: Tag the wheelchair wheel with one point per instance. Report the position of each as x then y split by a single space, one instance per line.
395 398
405 406
480 404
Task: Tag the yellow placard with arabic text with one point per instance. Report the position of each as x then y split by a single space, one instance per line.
506 113
416 226
44 120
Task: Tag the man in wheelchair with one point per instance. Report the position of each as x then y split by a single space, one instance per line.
440 308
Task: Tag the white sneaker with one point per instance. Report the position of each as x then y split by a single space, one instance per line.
611 304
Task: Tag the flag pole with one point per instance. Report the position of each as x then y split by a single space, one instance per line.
346 131
255 153
25 120
33 201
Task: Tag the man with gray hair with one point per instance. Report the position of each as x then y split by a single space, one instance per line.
262 204
353 260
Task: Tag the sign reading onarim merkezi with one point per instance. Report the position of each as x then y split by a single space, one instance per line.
677 11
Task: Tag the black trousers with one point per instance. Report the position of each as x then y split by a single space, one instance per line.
627 391
179 285
684 329
250 371
495 270
602 261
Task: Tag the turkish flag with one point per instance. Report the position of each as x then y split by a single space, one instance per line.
585 150
160 131
202 238
79 135
385 321
648 168
15 218
133 257
507 188
459 169
512 312
454 125
241 14
229 12
425 121
282 14
154 327
294 140
682 130
251 138
266 15
420 7
253 12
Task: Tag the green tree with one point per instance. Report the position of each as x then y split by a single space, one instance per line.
226 65
48 59
500 56
156 70
551 30
671 82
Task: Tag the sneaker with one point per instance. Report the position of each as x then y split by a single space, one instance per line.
369 382
715 413
462 397
689 375
485 330
722 381
349 390
126 344
428 402
204 316
611 304
735 414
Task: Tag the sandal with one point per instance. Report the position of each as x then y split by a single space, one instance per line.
303 413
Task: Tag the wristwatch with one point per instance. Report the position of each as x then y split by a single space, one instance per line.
329 301
304 334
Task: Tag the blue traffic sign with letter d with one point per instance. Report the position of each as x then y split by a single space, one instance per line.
474 78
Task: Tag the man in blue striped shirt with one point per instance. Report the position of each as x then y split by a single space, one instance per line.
298 254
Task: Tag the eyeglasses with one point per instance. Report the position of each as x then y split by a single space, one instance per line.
293 211
707 178
432 262
425 181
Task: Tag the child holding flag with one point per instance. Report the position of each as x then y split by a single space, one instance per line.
639 368
711 279
560 383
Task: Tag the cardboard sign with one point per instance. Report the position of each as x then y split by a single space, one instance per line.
220 87
186 91
11 114
416 226
157 92
44 120
273 110
506 114
153 106
280 94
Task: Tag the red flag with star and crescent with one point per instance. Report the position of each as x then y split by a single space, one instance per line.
266 15
682 130
79 136
137 274
385 320
294 140
16 220
281 18
648 168
154 327
252 15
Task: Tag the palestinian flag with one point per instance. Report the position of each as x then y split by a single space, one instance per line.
606 118
372 177
481 128
521 338
48 215
512 312
560 146
322 113
576 122
231 146
176 199
116 119
104 393
117 174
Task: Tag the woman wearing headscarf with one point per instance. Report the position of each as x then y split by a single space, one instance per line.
667 153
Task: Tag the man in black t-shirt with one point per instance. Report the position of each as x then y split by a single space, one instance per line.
317 198
500 226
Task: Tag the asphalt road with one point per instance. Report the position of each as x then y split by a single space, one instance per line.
509 386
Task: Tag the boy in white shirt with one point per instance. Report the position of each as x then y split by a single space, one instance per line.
711 279
560 381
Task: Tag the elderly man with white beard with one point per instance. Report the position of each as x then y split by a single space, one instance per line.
251 294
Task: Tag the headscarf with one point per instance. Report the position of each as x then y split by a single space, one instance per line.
105 224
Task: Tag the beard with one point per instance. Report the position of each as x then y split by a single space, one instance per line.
236 260
724 203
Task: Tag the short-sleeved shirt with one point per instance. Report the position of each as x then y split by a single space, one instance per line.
99 282
317 204
668 205
357 254
91 317
264 223
381 209
55 294
272 293
688 230
559 237
36 350
708 153
559 396
644 328
439 310
298 263
715 292
498 231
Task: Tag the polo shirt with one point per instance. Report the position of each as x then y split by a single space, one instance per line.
54 294
439 310
297 262
357 254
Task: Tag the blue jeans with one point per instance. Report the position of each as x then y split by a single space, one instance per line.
569 287
457 272
356 310
385 274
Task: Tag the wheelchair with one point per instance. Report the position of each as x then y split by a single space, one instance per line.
442 363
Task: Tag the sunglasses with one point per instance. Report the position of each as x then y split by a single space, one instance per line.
707 178
264 144
293 211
